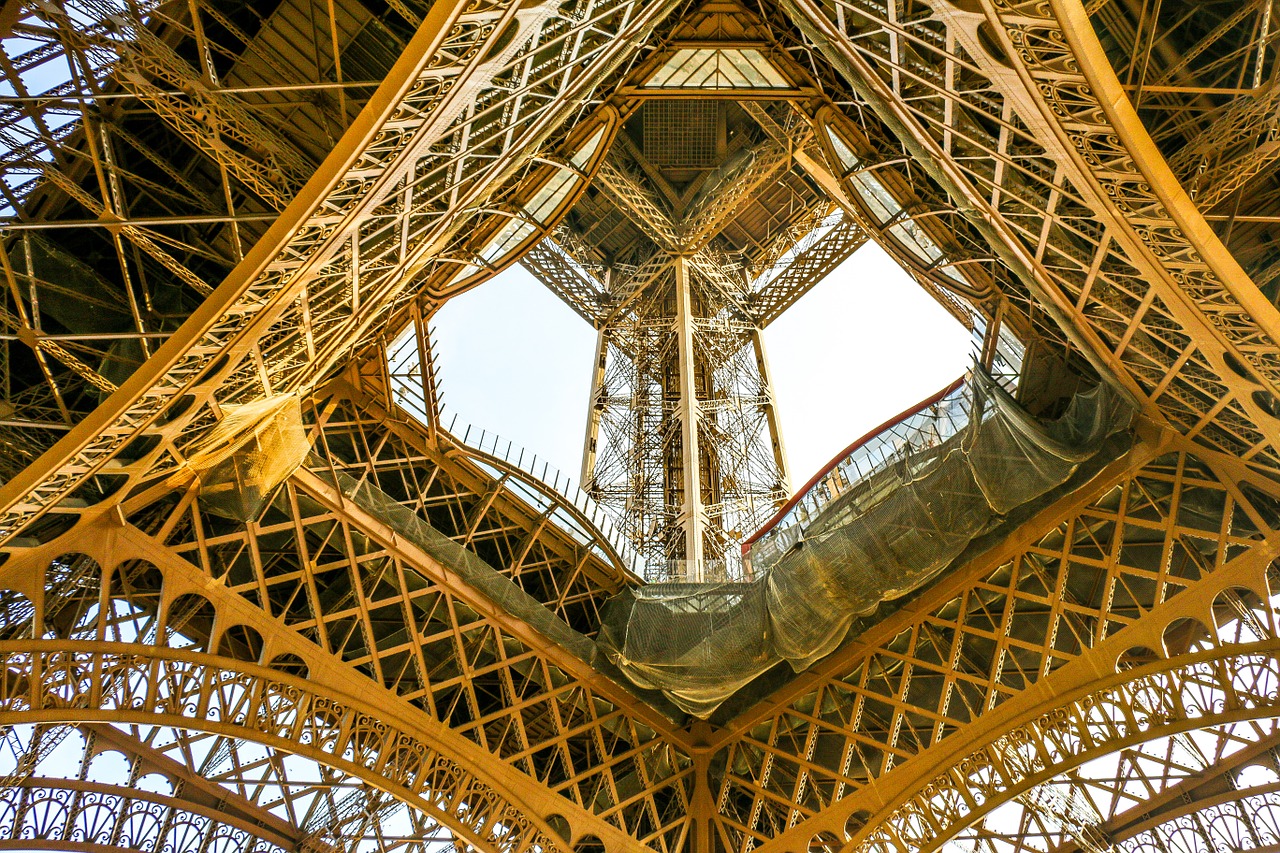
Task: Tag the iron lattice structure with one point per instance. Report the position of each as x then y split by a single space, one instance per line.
216 203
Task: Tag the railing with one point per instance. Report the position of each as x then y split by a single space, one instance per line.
927 424
583 517
694 571
601 526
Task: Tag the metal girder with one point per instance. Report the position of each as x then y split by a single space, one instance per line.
817 260
640 203
368 438
1058 604
617 454
1134 617
1210 297
1155 689
686 327
217 124
219 808
568 653
813 260
1231 799
108 543
168 215
250 717
555 263
1140 267
716 204
264 707
312 257
125 815
726 191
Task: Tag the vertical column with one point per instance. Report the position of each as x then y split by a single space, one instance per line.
701 805
992 337
691 513
770 406
595 410
426 370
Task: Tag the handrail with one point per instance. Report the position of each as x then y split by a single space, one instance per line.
588 512
823 472
404 374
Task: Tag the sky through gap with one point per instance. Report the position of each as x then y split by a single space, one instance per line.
866 343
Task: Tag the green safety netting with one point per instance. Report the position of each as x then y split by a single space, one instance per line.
882 521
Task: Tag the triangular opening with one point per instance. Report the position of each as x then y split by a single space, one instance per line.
717 68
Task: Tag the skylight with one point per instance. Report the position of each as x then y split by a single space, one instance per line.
704 68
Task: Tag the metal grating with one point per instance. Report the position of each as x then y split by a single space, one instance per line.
681 134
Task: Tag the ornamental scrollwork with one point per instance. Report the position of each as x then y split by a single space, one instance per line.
1199 692
261 707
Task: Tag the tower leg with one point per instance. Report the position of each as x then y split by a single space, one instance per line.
595 409
692 515
770 405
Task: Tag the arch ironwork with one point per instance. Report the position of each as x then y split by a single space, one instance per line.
219 202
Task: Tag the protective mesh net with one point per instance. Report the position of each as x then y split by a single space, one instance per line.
463 563
253 449
878 524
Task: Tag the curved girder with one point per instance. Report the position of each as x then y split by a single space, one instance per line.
1148 794
124 683
293 299
1018 105
1134 184
1034 617
1244 819
73 814
1222 691
473 693
1018 746
1033 160
292 801
384 442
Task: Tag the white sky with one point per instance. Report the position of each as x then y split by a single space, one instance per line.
862 346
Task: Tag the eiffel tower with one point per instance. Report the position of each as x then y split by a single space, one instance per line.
257 594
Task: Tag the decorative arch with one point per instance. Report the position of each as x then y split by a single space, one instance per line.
193 619
99 682
74 815
1215 687
1245 819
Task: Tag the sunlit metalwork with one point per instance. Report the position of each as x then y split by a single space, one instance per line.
215 209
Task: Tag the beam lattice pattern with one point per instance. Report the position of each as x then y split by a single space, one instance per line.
215 202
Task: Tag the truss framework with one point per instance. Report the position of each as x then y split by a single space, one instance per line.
1103 678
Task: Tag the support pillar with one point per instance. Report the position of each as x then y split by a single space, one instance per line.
692 517
770 407
595 408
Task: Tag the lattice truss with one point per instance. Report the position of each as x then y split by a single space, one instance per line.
638 443
668 363
164 149
636 437
365 616
209 203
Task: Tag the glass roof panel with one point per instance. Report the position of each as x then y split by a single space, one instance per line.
704 68
586 152
916 241
880 203
547 199
847 158
506 241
